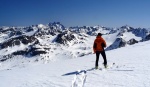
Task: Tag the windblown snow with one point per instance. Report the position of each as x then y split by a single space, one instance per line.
131 69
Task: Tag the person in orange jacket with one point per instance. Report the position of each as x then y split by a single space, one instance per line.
98 48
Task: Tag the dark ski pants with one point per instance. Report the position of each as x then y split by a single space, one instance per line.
103 55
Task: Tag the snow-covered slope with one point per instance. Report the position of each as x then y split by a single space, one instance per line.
131 69
37 56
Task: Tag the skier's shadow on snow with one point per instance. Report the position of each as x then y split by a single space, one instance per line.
85 71
78 72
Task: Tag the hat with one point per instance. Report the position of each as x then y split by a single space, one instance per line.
99 34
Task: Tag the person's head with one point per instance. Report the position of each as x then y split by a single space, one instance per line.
99 34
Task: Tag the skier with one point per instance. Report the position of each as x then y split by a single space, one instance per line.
98 48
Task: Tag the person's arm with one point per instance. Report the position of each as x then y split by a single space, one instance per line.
94 47
104 43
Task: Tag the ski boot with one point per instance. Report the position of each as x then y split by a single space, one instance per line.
96 67
105 65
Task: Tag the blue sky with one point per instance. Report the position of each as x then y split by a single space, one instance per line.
109 13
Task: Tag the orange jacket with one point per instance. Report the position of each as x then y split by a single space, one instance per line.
99 44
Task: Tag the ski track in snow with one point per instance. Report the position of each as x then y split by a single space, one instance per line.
79 79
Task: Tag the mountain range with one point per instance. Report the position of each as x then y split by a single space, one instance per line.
55 41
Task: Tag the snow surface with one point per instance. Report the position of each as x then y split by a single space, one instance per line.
129 35
131 69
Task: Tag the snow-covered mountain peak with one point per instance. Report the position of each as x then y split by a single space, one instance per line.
41 26
56 25
126 27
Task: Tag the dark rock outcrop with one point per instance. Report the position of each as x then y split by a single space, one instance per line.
147 37
31 51
119 42
18 40
132 41
64 37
